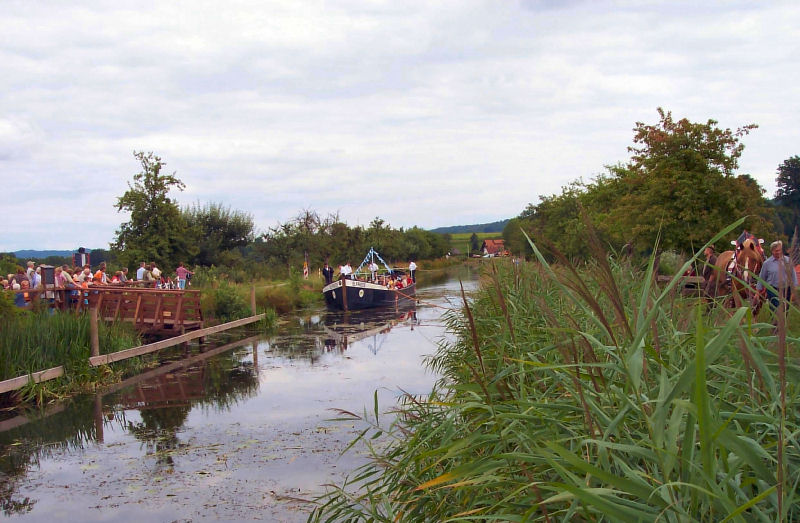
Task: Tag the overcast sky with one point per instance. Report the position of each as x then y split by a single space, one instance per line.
421 113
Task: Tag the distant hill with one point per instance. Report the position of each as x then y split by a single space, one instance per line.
480 227
29 253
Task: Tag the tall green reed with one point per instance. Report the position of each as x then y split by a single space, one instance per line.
34 341
589 393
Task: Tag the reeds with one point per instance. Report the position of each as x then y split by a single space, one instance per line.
599 397
34 341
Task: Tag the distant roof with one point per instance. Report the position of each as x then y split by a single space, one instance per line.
493 246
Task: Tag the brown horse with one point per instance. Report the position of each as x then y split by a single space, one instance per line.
735 272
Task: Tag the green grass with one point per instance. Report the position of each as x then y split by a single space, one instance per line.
460 240
589 394
35 341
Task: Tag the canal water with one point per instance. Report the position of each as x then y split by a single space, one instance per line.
242 429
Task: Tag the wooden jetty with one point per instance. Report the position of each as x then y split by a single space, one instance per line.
159 312
152 311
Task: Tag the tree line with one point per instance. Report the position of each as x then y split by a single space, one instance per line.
680 186
214 235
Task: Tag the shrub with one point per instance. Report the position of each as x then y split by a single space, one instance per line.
225 303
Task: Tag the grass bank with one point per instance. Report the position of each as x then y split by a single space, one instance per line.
39 340
590 394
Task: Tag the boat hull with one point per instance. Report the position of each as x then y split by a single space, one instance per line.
349 295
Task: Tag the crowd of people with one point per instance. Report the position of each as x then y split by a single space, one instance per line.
74 278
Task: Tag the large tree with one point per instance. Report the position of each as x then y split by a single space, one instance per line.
787 197
221 233
156 230
680 184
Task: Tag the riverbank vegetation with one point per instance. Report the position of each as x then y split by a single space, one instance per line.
681 184
589 393
32 341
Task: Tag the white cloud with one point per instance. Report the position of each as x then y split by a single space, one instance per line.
422 113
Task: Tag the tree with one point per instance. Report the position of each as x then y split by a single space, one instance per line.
157 230
787 197
221 232
474 243
679 185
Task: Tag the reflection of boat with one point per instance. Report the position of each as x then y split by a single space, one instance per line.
364 290
343 329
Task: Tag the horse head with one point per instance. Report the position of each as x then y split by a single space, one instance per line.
749 259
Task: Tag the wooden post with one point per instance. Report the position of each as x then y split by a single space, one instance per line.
255 356
95 337
98 417
253 299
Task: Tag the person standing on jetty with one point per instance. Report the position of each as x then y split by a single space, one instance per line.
182 273
140 271
778 272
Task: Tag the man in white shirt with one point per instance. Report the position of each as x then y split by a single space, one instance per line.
346 270
412 270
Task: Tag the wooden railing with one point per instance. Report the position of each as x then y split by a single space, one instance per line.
152 311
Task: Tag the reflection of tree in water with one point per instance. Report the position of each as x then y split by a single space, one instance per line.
225 379
23 446
158 430
218 383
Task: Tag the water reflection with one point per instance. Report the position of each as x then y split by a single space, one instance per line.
218 377
332 332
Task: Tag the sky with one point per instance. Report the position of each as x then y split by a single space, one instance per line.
421 113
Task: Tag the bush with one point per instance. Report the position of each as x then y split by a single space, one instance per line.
225 303
669 263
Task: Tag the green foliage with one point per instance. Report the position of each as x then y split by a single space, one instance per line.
221 232
8 264
225 303
474 243
670 262
284 246
7 308
679 186
787 197
156 230
31 342
588 394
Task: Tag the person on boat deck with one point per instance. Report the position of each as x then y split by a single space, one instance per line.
346 271
327 273
391 282
399 283
777 271
123 275
373 270
412 269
